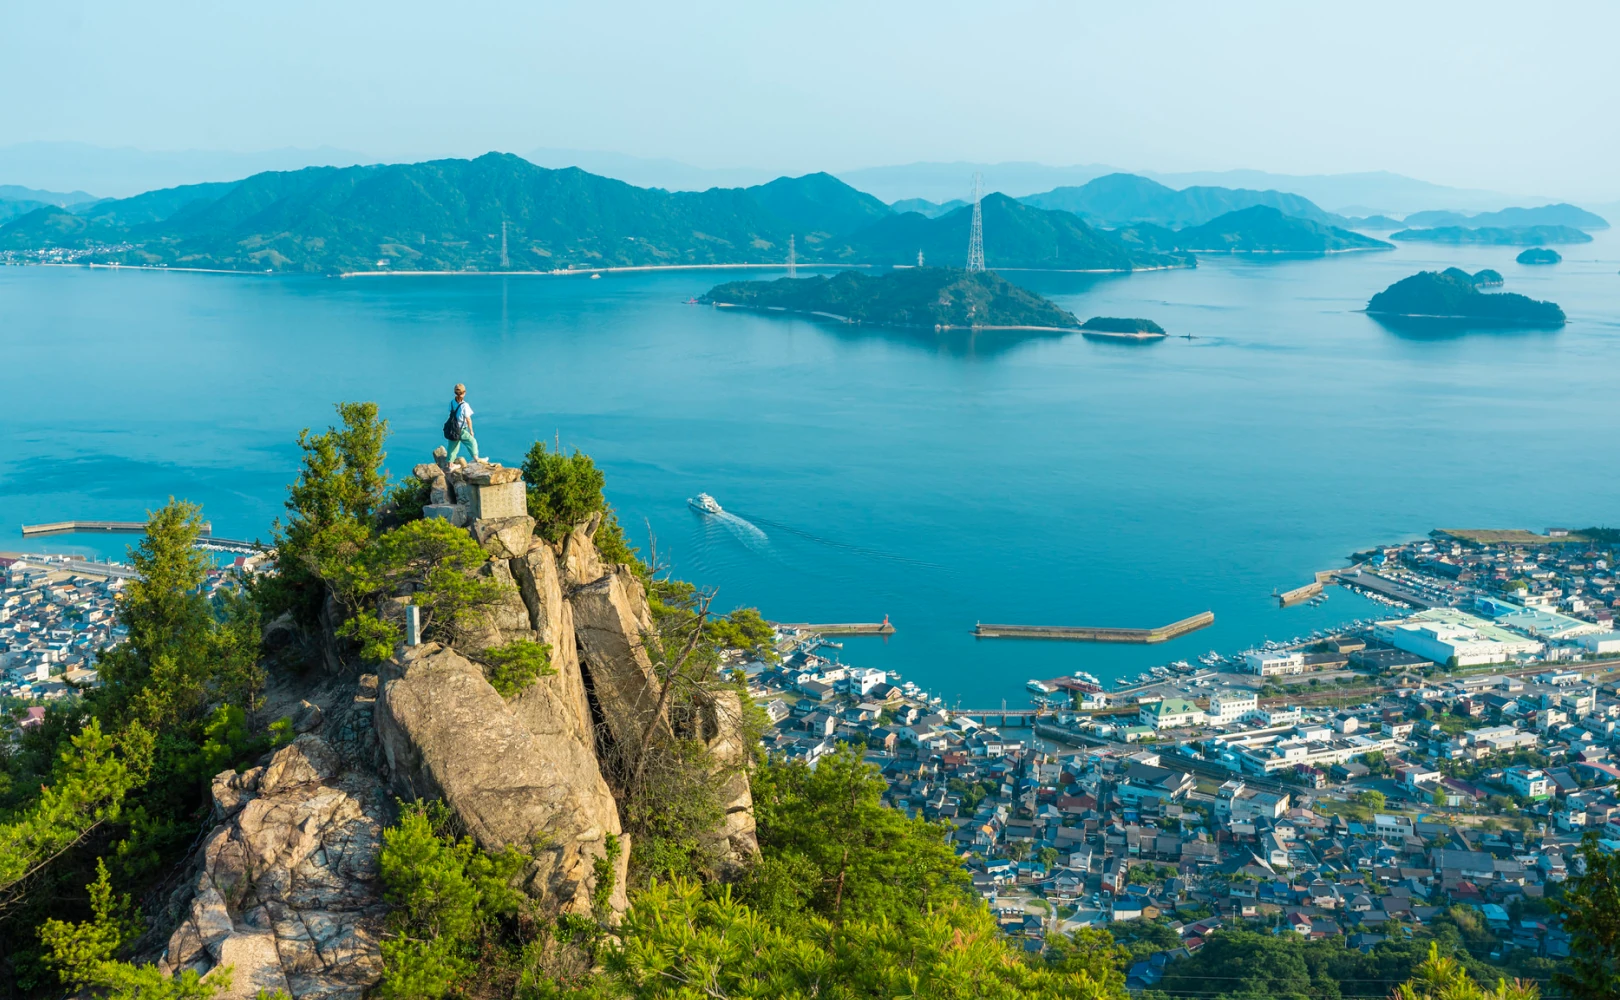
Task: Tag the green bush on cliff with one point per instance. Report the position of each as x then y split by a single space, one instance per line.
447 899
563 490
110 792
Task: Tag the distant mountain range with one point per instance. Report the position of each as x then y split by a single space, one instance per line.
1024 237
1358 194
1122 199
16 200
1512 218
1516 236
1257 229
457 215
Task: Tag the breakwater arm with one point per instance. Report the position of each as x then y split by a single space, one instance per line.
1096 634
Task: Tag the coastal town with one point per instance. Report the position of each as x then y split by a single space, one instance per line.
1354 782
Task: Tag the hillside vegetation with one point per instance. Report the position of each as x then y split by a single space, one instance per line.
1562 214
1123 199
1453 294
912 297
457 215
1260 229
1016 236
1519 236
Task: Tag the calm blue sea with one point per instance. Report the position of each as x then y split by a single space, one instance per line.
1050 481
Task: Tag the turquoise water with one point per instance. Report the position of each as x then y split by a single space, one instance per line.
1054 481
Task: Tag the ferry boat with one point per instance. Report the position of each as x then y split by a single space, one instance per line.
1040 687
705 504
1081 675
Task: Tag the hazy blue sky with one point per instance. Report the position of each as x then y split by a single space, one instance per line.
1515 97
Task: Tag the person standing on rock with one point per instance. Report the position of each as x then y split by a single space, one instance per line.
461 414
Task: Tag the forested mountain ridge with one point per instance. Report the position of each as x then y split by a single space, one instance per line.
1016 236
456 215
1257 229
1123 199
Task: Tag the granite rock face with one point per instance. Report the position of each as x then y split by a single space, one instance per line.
736 841
445 733
558 705
288 891
610 619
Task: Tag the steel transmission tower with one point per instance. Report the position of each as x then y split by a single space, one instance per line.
793 258
975 261
505 263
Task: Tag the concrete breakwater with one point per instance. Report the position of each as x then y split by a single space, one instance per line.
1298 594
120 527
1090 634
846 628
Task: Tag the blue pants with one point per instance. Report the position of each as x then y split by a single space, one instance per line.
468 440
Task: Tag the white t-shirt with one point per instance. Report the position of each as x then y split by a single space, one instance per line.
464 413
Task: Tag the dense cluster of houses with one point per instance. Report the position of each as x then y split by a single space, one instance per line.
1319 822
52 624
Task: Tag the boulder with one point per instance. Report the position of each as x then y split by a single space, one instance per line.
455 513
610 619
508 618
582 563
487 473
445 733
505 537
288 891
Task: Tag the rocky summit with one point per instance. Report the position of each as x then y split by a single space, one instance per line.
285 888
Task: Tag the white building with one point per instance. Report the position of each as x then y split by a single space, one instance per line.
1392 828
1280 715
1226 707
1602 644
1171 713
1530 782
1500 739
1275 663
1452 637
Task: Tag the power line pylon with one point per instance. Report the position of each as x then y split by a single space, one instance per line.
975 260
793 258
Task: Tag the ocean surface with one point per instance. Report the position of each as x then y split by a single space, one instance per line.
940 482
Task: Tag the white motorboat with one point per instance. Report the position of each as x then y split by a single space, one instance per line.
705 504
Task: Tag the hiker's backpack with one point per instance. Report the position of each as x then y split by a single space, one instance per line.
452 423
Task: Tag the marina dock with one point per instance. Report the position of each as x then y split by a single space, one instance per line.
847 628
113 527
1085 634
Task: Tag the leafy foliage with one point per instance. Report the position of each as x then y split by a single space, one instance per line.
447 897
563 490
1590 907
516 665
861 857
679 942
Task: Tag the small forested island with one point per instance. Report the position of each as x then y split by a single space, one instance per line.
1487 278
1540 255
1514 236
1114 326
1452 294
1260 229
943 298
